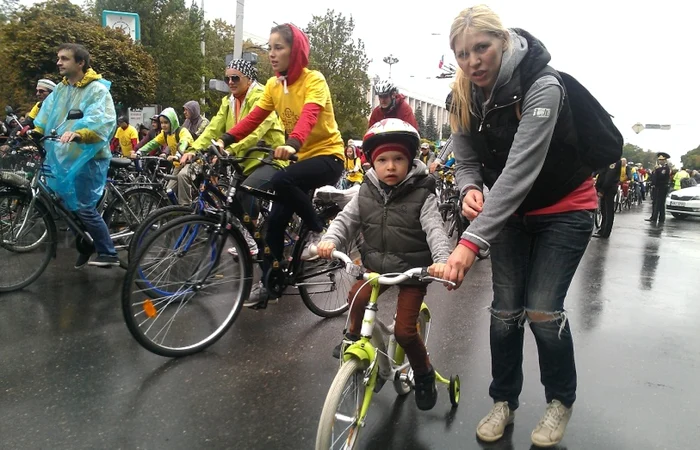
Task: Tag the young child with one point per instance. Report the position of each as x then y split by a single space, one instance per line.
353 167
396 211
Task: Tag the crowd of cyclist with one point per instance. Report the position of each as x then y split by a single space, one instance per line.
395 208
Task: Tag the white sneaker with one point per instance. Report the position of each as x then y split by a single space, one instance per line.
314 239
550 431
252 245
492 427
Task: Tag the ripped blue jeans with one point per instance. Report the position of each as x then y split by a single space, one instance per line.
534 259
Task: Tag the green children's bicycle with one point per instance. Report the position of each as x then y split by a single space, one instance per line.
370 362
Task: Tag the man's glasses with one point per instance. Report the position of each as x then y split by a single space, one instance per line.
232 79
41 91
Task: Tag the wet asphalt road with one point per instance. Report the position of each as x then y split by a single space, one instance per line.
72 377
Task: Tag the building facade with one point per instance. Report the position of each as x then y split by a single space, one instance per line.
429 106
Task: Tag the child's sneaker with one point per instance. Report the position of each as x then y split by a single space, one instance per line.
492 427
550 431
426 392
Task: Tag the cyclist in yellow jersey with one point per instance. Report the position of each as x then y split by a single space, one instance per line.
303 101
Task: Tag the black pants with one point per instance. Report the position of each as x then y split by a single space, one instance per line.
292 186
658 211
607 211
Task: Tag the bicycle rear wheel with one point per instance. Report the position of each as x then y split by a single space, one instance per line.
183 290
123 217
339 426
324 285
27 240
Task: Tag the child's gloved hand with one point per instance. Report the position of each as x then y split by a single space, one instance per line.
325 249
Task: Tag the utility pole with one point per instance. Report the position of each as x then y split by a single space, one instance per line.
238 40
203 47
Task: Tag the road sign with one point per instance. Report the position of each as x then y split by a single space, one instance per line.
638 127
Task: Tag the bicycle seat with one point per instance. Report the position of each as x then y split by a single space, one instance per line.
119 163
329 194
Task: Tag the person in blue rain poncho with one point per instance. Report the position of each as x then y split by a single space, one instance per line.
80 159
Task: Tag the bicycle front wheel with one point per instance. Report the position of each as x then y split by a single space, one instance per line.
183 290
339 426
27 240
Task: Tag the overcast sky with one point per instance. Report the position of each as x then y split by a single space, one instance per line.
640 59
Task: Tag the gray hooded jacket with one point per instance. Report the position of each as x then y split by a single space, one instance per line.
527 153
347 225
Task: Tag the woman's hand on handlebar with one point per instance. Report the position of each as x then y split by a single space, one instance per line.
284 152
325 249
186 158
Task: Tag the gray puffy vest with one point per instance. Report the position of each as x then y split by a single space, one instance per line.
394 240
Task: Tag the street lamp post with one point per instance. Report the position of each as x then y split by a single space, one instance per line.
391 60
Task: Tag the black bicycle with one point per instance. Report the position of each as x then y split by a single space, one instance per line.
184 288
28 213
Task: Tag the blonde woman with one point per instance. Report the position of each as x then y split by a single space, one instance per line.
512 132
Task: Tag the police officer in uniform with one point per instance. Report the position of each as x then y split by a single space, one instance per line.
660 179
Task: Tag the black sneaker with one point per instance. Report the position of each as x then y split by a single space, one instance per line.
426 392
259 297
105 261
81 261
347 340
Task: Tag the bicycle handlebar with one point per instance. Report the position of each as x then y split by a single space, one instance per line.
417 273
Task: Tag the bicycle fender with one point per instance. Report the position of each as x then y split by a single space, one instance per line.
361 350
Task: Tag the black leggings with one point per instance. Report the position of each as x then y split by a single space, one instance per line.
292 187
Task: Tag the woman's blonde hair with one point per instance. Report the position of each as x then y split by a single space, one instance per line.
478 19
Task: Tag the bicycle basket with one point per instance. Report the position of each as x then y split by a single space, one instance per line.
12 179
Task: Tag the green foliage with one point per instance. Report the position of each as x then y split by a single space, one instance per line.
431 131
32 55
420 120
691 160
639 155
7 9
446 131
343 62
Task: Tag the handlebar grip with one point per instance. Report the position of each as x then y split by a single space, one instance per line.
313 251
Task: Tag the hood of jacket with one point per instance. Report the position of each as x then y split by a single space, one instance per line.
88 78
195 112
398 100
299 56
171 115
525 57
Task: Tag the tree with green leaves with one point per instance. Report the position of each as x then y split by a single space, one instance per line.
691 160
446 131
7 9
431 131
31 55
638 155
172 34
342 60
420 120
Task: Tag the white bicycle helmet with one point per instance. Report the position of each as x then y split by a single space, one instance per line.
391 131
385 87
